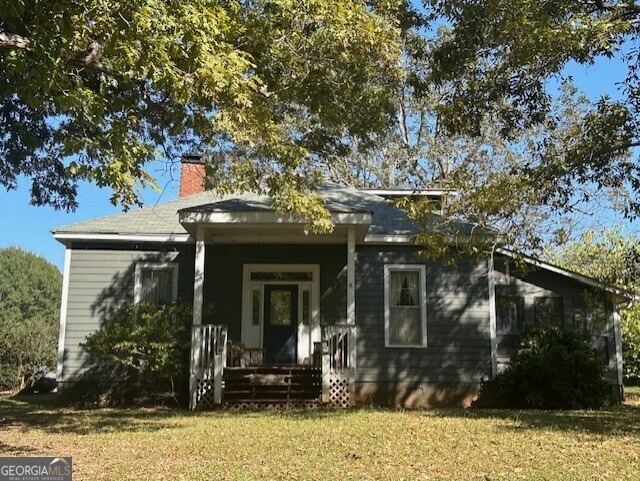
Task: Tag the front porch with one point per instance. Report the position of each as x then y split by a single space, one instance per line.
328 381
302 328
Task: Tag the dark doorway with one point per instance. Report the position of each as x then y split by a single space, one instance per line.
280 323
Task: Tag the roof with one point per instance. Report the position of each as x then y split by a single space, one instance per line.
162 218
404 192
581 278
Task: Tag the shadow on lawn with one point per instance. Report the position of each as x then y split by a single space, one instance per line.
42 412
619 421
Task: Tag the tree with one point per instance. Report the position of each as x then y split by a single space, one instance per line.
499 57
278 93
613 258
114 84
483 171
30 290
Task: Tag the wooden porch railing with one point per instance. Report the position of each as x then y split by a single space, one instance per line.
338 364
209 357
208 360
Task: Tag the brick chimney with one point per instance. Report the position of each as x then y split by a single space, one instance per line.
191 175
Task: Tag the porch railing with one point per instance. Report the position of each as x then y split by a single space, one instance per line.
338 364
208 360
209 357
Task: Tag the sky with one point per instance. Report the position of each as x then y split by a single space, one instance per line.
29 227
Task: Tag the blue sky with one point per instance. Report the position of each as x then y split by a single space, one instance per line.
29 227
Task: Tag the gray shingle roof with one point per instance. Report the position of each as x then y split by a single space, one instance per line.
163 218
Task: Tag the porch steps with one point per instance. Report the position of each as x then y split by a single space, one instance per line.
272 386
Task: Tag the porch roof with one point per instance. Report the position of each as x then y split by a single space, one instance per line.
246 219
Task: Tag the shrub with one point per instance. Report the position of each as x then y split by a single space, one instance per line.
552 369
150 346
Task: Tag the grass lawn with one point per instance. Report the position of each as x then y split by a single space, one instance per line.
121 444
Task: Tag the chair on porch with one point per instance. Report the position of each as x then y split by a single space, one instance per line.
240 356
235 354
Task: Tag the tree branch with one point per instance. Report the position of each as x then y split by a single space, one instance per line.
90 59
624 8
11 41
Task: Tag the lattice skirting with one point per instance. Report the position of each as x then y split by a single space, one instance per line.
273 405
204 395
340 391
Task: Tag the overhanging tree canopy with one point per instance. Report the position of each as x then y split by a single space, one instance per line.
499 55
277 93
96 90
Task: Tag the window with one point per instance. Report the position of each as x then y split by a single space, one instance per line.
549 312
509 314
281 276
280 308
405 306
589 316
256 305
156 282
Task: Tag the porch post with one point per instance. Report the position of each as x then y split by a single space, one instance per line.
198 290
198 280
351 275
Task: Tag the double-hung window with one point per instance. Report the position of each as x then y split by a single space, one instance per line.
156 282
405 313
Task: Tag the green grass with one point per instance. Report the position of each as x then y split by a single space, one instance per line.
632 390
349 444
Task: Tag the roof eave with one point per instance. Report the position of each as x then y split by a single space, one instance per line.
67 238
621 293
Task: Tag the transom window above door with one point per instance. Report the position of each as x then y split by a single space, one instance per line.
281 276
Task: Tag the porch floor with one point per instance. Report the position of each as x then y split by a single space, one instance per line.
277 385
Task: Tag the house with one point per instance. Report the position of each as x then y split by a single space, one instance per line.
356 311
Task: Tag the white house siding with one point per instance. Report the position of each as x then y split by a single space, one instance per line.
100 280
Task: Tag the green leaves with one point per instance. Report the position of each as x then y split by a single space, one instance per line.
113 83
29 311
612 257
153 341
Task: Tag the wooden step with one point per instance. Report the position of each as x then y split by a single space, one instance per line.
266 385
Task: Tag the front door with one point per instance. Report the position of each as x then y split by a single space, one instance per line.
280 323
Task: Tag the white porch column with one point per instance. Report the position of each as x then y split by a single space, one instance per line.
198 279
351 275
198 299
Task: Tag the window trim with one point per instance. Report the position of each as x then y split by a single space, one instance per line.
520 313
422 289
159 266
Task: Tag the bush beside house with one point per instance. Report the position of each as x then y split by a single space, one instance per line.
149 345
552 369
